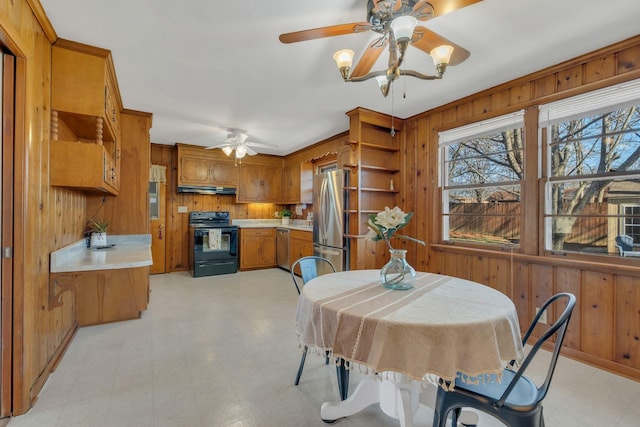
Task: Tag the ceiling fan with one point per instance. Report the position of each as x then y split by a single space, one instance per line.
381 15
237 140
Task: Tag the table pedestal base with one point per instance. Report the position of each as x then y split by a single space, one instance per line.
397 399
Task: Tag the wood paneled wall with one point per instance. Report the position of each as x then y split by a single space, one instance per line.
45 218
605 326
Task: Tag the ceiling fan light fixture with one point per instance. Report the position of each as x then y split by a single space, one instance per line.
241 151
227 150
441 56
403 27
344 60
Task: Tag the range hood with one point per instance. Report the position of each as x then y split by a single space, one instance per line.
206 190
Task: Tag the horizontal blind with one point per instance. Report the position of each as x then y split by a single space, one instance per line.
598 101
485 127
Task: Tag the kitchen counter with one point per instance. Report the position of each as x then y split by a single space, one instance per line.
296 224
129 251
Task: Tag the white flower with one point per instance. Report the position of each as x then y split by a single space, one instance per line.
390 218
372 236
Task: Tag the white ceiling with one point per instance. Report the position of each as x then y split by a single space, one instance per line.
202 66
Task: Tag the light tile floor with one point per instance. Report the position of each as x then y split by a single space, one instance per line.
221 351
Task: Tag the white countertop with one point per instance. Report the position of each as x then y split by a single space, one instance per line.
129 251
296 224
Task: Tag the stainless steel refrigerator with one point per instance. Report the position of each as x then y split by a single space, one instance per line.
329 224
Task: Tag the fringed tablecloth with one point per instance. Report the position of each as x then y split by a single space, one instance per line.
442 327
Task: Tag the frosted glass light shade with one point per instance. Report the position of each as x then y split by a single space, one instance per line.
382 80
241 151
441 54
403 27
227 150
343 58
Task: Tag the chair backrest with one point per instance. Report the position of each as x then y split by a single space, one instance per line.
625 242
558 328
309 268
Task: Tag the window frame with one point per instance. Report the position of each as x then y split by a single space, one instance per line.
586 105
446 138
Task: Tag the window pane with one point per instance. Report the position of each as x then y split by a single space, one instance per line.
484 215
598 144
493 158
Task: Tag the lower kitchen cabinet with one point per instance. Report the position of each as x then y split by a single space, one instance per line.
109 295
257 248
300 245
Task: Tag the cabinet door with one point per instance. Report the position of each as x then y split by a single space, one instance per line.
194 171
223 173
250 183
291 183
257 248
271 183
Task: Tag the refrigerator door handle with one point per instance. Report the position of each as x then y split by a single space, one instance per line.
326 251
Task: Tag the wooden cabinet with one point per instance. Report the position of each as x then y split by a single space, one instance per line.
206 168
257 248
85 118
260 180
129 212
105 296
300 245
297 181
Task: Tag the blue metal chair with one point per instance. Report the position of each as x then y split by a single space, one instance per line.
516 400
309 267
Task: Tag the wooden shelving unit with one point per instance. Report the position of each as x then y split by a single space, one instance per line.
373 156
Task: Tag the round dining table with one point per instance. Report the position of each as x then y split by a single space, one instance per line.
442 329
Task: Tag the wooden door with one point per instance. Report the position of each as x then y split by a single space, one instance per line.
7 75
157 225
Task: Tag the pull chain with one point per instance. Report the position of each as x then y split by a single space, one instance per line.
393 130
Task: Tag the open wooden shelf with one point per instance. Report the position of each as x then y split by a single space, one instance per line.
376 146
379 169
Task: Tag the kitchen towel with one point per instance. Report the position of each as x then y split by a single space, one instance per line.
215 239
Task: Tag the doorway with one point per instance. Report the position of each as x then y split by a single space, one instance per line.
7 115
158 216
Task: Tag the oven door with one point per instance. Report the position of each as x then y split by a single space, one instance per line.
212 243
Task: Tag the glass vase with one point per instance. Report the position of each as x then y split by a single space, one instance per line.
397 273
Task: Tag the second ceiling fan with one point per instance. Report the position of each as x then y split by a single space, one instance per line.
396 22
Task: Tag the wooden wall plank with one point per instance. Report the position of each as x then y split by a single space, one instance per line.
569 280
598 69
597 314
627 321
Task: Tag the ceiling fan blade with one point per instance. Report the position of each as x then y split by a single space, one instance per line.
250 151
442 7
259 144
369 58
217 146
429 40
318 33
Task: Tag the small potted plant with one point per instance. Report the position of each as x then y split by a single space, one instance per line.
286 216
98 232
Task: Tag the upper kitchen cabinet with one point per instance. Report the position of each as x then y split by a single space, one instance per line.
297 181
260 180
85 118
205 168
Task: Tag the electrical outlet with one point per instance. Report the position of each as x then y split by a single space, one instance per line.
543 318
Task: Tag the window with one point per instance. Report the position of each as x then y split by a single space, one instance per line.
481 170
631 222
592 190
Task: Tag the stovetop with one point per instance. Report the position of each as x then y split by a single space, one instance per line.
208 218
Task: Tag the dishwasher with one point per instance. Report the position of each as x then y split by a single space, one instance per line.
282 248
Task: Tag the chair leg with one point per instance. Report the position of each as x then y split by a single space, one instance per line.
304 356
